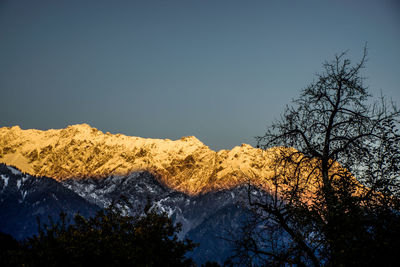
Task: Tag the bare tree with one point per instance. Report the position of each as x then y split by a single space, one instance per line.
335 195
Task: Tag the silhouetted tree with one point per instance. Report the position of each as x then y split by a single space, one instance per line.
10 250
107 239
335 194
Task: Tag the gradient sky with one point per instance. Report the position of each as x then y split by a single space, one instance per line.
219 70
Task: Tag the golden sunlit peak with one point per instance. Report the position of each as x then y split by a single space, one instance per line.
14 128
80 151
246 145
80 125
191 138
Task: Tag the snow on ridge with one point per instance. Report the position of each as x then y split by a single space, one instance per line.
5 180
14 170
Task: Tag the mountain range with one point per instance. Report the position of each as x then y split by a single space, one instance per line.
185 165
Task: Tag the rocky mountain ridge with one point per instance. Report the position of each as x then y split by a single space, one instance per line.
185 165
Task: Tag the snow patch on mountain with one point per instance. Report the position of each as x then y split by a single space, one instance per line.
5 181
14 170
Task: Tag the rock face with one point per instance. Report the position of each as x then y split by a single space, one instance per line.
80 151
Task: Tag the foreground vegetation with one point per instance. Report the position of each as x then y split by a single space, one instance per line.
318 213
107 239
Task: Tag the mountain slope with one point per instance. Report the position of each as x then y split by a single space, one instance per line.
80 151
205 218
23 198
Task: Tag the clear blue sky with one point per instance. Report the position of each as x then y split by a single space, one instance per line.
219 70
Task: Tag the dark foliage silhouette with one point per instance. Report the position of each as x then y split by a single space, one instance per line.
335 198
107 239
